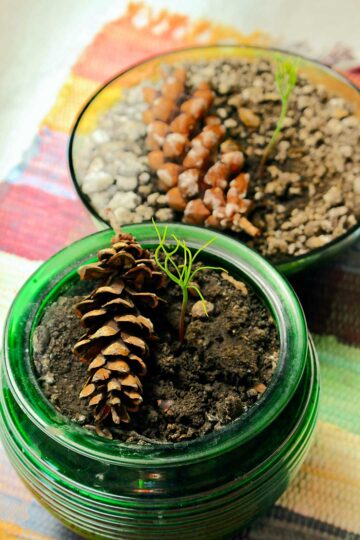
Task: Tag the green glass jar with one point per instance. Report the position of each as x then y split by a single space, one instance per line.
206 488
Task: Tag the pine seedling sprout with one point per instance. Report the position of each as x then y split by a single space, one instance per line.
181 273
286 72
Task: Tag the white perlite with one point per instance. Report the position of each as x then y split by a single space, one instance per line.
112 161
124 199
126 183
97 181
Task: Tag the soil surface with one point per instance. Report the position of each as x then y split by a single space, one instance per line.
310 191
222 368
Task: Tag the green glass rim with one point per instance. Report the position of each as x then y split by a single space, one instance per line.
289 265
50 278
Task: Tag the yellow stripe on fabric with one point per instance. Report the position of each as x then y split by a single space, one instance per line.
9 531
327 487
14 271
70 100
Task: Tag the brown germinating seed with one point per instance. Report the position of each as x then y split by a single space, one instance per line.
189 146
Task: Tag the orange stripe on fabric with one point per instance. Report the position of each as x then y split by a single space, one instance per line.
118 46
354 77
109 53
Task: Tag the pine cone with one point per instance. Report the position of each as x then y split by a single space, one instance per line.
190 159
116 342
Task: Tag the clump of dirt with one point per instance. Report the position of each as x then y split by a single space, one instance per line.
224 365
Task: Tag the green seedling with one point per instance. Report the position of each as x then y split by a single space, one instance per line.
286 72
183 273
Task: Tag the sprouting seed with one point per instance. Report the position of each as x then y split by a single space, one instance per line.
286 72
183 273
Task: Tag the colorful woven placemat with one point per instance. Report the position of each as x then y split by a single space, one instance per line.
40 213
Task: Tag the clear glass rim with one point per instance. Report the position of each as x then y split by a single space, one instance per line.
289 265
265 278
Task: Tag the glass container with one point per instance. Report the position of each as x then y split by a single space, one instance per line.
150 69
207 488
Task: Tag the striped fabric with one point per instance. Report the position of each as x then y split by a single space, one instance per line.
324 500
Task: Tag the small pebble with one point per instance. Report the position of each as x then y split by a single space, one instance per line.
97 181
239 285
317 241
100 136
123 216
144 178
96 165
248 117
230 123
333 196
198 310
222 113
145 212
162 200
126 183
145 190
357 185
125 199
260 388
164 214
153 198
337 211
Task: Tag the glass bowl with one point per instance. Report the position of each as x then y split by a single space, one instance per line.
150 69
205 488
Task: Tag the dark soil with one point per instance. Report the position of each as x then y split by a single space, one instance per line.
223 367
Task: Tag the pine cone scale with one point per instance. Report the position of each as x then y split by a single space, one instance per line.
96 400
131 381
119 366
88 390
93 271
140 368
98 361
110 329
122 259
116 348
113 385
105 254
150 299
101 374
114 289
119 304
83 307
88 318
